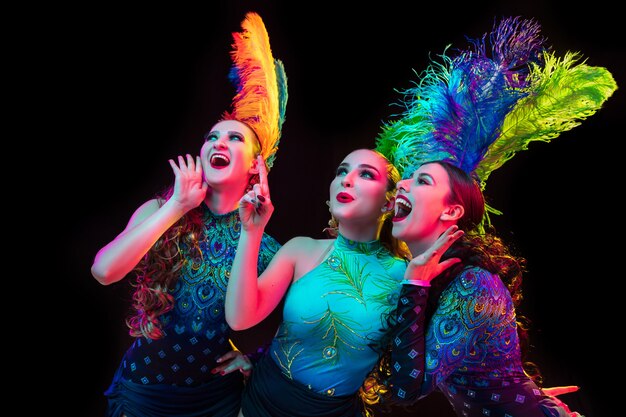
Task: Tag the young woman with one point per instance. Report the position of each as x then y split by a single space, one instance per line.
182 246
473 352
338 293
464 118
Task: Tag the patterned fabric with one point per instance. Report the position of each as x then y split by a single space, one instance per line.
219 397
333 313
196 332
473 355
407 353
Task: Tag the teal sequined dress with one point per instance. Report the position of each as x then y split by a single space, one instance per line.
333 313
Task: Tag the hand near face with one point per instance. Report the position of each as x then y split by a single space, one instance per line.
255 207
189 188
426 266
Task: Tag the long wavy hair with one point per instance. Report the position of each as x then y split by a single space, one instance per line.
158 270
476 248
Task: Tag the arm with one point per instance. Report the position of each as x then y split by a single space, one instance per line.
250 298
408 345
453 331
149 222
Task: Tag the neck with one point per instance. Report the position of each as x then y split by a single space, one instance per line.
422 243
222 201
360 233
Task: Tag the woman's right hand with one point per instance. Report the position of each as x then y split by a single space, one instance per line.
255 207
189 187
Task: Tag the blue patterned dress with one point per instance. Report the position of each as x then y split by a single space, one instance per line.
154 375
473 352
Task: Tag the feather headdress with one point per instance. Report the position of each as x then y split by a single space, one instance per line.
476 111
261 83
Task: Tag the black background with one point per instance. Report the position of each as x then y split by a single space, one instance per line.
125 90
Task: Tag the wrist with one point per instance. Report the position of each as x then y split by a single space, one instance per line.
176 207
418 282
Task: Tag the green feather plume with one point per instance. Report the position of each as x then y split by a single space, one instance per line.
563 92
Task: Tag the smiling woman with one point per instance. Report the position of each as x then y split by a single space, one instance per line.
464 118
181 246
339 294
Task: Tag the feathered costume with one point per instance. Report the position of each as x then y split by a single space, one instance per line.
261 83
169 373
476 111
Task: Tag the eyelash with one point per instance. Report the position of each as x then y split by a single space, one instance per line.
231 137
364 173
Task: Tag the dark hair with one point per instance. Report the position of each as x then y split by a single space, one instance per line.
477 247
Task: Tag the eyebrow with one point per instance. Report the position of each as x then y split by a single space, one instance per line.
373 168
425 174
230 132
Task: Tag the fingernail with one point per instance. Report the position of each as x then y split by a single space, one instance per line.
261 198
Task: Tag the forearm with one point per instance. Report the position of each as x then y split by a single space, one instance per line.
242 294
408 344
119 257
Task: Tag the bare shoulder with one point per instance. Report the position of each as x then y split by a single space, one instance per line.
306 253
307 245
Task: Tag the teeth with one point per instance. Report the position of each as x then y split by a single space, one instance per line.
220 157
402 206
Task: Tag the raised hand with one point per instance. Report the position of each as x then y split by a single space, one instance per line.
255 207
426 266
189 187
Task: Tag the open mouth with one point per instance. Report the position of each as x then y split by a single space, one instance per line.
403 208
219 161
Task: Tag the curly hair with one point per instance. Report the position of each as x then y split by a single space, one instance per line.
157 272
477 247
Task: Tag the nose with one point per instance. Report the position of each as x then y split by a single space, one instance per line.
402 185
346 181
220 143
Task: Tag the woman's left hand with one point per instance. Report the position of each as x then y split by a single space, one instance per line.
554 391
233 361
426 266
255 207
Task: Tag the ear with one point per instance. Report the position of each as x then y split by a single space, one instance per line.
254 169
453 212
388 206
